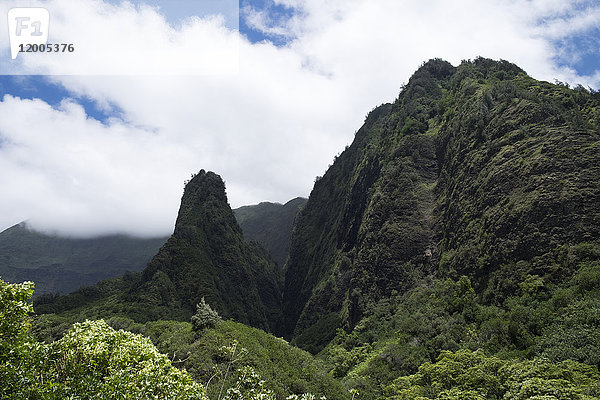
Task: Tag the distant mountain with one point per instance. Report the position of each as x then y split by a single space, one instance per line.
59 264
62 265
270 224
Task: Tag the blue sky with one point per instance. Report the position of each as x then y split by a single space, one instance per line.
84 154
176 10
276 12
40 87
581 52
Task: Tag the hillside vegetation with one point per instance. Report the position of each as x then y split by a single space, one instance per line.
477 170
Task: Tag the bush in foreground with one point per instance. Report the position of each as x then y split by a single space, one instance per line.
91 361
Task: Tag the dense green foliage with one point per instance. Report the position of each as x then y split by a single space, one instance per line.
219 357
270 224
91 361
541 319
467 375
14 325
285 369
94 360
61 265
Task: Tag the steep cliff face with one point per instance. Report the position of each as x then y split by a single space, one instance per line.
207 257
471 169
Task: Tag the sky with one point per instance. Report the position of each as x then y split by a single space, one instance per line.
263 92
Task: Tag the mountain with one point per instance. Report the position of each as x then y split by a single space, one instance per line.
270 224
477 170
206 257
61 265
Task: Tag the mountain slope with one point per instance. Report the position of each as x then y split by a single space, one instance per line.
270 224
58 264
471 170
62 265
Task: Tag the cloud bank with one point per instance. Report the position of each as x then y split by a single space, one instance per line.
268 128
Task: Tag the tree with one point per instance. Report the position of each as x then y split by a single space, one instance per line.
14 315
95 361
15 351
205 316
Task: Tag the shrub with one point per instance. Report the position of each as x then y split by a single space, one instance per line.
92 360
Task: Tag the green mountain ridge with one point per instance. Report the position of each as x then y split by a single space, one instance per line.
472 168
206 257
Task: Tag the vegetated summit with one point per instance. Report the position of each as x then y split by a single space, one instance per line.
464 216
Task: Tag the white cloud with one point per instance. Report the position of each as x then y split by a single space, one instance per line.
269 129
581 21
72 174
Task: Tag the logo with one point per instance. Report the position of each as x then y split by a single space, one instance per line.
27 27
